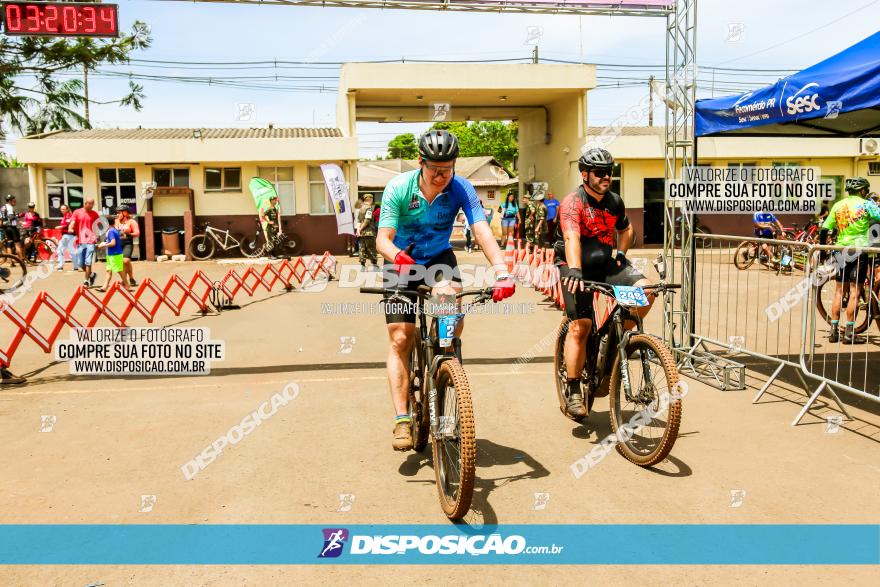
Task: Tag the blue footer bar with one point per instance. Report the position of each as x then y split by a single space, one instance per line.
440 544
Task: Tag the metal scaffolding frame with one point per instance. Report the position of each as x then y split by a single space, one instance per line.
678 240
680 144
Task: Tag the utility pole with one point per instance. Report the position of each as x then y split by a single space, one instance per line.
651 101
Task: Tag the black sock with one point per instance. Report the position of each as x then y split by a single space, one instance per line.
574 385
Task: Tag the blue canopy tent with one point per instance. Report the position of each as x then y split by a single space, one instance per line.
839 97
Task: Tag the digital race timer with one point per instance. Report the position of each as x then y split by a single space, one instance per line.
81 19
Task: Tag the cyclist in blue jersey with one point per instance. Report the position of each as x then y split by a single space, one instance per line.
419 208
766 226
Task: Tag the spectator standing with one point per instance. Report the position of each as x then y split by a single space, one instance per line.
113 244
128 230
552 208
82 223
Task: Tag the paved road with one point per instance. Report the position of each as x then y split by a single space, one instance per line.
117 439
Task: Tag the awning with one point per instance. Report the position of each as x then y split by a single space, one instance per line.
839 97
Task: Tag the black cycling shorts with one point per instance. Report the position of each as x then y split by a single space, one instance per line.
12 234
580 305
442 267
853 271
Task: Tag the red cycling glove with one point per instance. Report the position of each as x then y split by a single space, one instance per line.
503 288
402 262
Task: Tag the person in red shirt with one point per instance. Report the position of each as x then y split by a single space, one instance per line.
82 223
68 239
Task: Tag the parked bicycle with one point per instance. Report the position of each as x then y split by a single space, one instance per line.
288 244
636 369
440 405
203 246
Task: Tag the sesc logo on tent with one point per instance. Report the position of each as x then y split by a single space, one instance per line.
798 104
453 544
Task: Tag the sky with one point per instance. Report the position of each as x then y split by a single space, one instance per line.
750 34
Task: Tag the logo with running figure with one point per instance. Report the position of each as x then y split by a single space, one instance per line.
334 540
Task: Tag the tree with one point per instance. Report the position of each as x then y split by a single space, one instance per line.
485 138
35 94
403 147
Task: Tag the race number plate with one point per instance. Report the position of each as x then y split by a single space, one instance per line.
786 260
630 295
446 329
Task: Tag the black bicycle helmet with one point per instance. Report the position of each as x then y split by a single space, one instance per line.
595 158
9 197
856 184
438 145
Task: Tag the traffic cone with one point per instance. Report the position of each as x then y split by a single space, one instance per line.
509 255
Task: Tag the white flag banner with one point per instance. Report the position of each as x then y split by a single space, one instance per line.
335 180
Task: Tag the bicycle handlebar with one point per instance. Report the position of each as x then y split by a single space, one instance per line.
423 292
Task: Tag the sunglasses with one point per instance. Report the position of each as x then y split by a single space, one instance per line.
439 171
601 172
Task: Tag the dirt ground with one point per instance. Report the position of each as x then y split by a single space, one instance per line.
116 439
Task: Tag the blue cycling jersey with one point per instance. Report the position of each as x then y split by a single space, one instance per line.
428 226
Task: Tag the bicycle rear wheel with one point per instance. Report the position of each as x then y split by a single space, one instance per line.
825 298
12 273
650 433
419 426
454 446
201 247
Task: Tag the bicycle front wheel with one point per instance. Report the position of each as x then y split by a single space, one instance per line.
649 418
454 445
745 255
201 247
12 273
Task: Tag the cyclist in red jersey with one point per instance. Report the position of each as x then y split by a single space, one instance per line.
589 220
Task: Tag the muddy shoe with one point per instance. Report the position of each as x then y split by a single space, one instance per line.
575 408
835 334
850 337
402 438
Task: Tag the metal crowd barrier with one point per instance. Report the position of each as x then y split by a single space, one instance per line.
150 296
766 309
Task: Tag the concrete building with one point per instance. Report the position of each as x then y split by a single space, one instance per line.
202 170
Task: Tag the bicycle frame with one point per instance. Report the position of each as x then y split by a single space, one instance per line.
429 345
227 236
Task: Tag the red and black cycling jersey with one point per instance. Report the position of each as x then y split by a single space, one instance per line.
596 221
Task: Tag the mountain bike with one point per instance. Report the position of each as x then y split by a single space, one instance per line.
289 244
202 246
636 369
440 405
781 256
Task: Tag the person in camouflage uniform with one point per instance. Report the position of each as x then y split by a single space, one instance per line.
529 224
366 229
269 222
540 234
